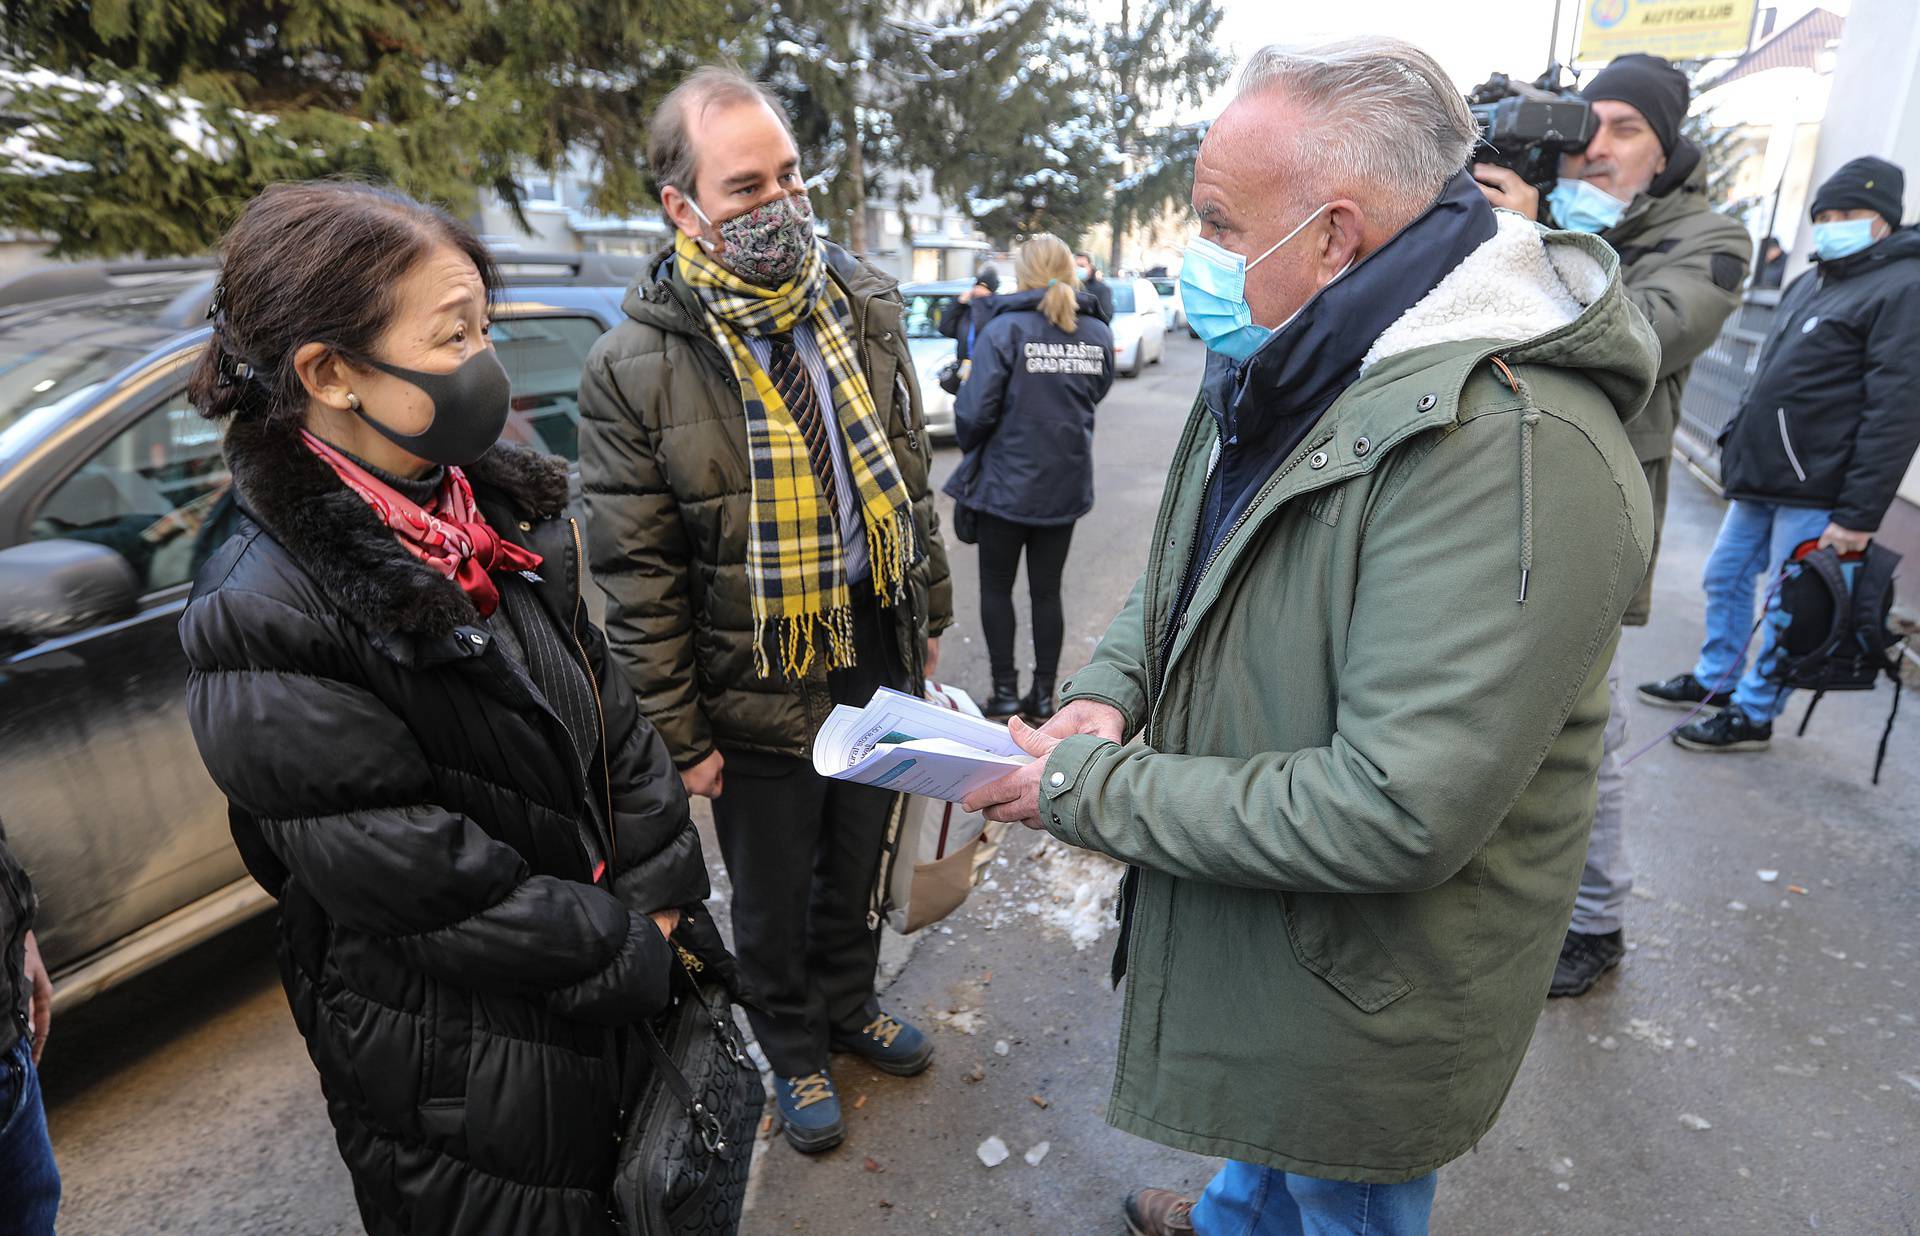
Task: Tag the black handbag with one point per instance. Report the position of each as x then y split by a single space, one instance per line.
966 524
948 376
690 1136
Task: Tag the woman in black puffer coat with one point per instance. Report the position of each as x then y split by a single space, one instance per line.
1042 361
478 844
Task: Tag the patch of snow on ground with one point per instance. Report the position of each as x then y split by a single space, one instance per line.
1077 891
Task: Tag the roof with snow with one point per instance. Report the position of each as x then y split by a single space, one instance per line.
1800 46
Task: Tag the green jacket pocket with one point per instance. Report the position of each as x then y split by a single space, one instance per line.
1331 939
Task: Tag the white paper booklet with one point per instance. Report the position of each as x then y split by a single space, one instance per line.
903 743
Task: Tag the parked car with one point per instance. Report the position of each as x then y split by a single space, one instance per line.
112 493
1171 309
926 302
1139 327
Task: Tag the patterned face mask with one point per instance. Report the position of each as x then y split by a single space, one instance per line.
764 245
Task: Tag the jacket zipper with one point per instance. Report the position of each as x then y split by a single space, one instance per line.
1787 442
593 684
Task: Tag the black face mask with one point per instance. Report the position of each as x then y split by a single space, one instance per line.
470 406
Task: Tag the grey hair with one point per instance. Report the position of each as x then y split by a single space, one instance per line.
670 153
1388 114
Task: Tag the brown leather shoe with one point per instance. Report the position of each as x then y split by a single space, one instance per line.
1159 1212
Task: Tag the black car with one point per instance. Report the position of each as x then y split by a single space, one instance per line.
112 493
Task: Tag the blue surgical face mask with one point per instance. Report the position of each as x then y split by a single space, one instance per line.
1842 239
1213 291
1580 207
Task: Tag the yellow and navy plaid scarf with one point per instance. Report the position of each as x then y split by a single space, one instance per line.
795 562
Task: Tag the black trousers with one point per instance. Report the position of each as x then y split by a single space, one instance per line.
803 852
1046 545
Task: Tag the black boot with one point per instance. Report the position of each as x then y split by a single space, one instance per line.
1038 708
1005 700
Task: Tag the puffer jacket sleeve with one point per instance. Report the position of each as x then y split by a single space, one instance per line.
1688 294
1889 431
983 396
342 794
638 546
660 864
1440 726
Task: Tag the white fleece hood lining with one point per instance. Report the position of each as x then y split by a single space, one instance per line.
1513 287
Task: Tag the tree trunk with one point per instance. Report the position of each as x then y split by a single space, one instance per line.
856 177
1113 247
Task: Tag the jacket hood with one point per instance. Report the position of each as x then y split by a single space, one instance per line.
343 547
1019 302
1533 297
659 297
1680 190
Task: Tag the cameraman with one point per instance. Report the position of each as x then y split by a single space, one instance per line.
1643 189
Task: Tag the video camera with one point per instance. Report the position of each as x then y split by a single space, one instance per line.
1528 126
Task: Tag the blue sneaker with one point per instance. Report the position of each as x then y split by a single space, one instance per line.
890 1045
809 1112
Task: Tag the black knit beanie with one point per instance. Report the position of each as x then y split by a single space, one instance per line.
1863 184
1650 86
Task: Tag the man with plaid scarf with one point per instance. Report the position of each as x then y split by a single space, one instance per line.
755 466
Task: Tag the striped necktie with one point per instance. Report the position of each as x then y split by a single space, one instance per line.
789 373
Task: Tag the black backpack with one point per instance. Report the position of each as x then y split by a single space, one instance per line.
1836 636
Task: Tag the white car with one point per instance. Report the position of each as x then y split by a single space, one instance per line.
1139 327
1171 307
932 350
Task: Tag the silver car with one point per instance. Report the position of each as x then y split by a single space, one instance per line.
926 302
112 492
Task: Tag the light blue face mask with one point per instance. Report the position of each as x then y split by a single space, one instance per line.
1580 207
1213 291
1844 238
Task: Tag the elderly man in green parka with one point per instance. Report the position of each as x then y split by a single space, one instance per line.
1365 668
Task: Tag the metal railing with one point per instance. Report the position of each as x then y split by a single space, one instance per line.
1720 377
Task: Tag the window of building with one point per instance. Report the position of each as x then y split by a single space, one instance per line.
540 191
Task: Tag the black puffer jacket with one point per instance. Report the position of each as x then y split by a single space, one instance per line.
1024 416
16 919
1832 417
460 964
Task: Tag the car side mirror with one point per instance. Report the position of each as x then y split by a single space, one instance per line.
54 588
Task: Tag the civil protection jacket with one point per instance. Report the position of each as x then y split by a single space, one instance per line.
1832 417
463 930
1358 807
663 462
1025 414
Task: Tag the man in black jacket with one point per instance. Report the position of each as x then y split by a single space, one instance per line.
29 1181
961 320
1090 280
1817 451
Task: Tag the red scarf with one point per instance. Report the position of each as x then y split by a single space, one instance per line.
449 535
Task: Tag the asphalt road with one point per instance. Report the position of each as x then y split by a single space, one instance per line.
184 1101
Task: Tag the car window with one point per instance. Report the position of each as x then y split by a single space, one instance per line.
156 494
1122 298
543 358
1163 286
923 314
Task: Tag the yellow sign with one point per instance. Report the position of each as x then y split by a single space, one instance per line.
1676 29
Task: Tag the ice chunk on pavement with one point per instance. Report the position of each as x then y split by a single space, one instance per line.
1767 877
1038 1153
1691 1121
1002 1047
992 1152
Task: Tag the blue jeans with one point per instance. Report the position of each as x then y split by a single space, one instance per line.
1244 1200
1755 539
29 1181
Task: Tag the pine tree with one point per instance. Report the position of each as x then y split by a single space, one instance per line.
141 127
1159 56
880 89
